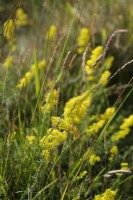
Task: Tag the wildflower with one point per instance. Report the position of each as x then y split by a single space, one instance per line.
93 159
81 175
51 101
41 65
25 80
83 40
53 139
124 129
120 134
90 62
51 33
64 124
95 127
31 139
128 122
28 76
109 112
108 62
76 108
114 150
9 28
107 195
124 166
46 155
8 62
21 17
102 119
96 52
104 78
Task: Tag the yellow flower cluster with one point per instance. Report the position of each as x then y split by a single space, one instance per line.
124 166
104 78
108 62
61 123
28 75
8 62
64 124
51 100
50 35
83 40
31 139
93 159
46 155
81 175
76 108
89 64
114 152
53 138
21 17
107 195
9 27
25 80
102 119
124 129
74 111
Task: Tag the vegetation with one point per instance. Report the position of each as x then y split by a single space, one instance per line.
66 113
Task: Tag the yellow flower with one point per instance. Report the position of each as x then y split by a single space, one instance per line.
21 17
28 76
81 175
31 139
62 124
95 127
104 77
53 138
108 113
93 159
128 122
102 119
46 155
90 62
8 62
25 80
22 83
51 100
120 134
124 129
108 62
96 52
76 108
9 28
83 40
114 150
51 33
124 166
107 195
41 65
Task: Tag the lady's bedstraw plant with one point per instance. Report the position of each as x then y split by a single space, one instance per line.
125 129
28 75
109 194
74 112
92 68
83 40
